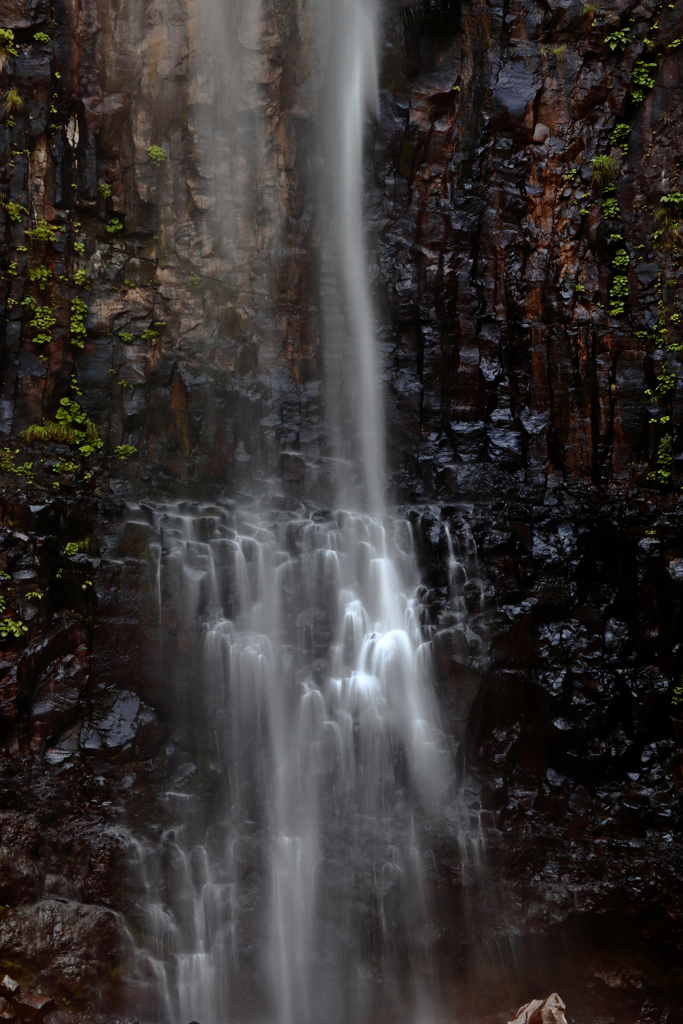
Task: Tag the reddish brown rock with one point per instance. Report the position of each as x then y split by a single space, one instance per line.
32 1006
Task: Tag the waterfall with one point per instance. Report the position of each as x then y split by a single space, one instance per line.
313 698
289 882
352 91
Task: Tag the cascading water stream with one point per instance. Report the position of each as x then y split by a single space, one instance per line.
354 88
313 693
292 887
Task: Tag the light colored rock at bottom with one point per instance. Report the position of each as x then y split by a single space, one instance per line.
541 1011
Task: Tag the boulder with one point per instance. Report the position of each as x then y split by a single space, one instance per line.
6 1011
542 1011
9 988
32 1006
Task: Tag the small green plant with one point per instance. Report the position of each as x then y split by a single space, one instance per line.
605 168
12 103
123 383
82 279
7 465
125 451
621 259
104 189
194 280
571 176
41 37
156 154
50 431
150 335
15 211
7 48
65 467
589 11
12 627
665 459
41 275
610 207
666 381
620 137
643 75
79 247
43 232
34 595
75 547
70 412
114 225
619 39
79 311
618 295
43 321
126 337
669 214
579 289
72 427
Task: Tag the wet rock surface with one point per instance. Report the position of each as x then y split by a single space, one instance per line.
516 405
558 698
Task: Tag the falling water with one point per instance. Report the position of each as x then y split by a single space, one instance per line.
290 882
303 879
352 91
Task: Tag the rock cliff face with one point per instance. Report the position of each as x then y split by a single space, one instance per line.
511 225
523 206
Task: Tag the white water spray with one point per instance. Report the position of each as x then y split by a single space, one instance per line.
314 694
